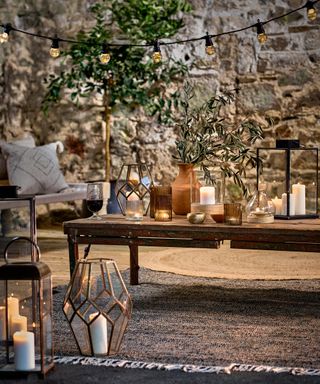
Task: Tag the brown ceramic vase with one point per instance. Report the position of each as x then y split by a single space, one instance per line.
182 187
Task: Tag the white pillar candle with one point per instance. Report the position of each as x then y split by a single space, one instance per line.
277 205
18 323
23 346
299 191
292 204
207 195
3 323
99 334
13 306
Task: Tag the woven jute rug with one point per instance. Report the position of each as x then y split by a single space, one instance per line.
193 323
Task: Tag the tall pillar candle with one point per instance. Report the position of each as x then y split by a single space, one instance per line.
99 334
3 323
291 203
207 195
23 346
13 309
299 191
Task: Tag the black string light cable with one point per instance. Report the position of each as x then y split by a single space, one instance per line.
209 47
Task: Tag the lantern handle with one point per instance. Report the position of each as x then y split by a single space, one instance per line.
21 238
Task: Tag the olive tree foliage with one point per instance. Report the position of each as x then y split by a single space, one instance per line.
130 78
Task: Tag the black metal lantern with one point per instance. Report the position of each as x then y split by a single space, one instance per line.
25 315
133 189
291 174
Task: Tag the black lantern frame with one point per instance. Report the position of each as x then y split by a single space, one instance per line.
298 200
26 344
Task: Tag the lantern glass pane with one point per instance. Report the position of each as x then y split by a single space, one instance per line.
47 321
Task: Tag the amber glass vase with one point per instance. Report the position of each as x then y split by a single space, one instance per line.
182 187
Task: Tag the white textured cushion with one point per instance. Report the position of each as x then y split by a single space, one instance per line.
25 142
35 170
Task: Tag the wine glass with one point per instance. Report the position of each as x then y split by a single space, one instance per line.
94 199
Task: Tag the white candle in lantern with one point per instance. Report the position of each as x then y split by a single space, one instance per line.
292 204
277 205
18 323
13 306
3 323
99 334
23 346
299 191
207 195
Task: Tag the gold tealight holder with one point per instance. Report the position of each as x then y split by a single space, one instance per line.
233 213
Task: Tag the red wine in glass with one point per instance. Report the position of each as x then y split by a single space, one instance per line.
94 199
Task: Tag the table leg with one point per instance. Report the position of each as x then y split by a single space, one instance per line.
73 252
134 264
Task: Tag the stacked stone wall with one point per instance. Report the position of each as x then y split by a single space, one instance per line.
279 80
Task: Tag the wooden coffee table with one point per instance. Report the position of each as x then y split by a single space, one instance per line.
282 235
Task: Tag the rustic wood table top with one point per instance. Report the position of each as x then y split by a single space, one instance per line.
285 235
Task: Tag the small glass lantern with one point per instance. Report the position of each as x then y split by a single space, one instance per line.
134 184
291 173
97 306
207 193
25 315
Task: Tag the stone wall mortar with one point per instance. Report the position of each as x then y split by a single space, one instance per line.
280 80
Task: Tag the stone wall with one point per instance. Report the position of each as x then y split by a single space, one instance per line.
279 80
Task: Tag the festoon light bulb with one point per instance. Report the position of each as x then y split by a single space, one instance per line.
311 11
104 55
4 35
209 45
261 34
54 50
156 56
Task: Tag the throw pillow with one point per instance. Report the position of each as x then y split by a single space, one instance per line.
26 142
35 170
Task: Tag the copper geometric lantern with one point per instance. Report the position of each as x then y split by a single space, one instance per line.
97 306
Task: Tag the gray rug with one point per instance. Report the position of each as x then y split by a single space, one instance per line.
214 322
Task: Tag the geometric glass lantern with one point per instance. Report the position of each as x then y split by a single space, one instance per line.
25 315
291 174
133 184
97 306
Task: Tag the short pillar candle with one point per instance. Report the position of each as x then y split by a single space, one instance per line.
207 195
23 345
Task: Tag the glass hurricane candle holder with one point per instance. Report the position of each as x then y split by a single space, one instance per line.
163 203
25 314
208 193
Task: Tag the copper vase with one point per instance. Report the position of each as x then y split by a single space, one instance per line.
182 187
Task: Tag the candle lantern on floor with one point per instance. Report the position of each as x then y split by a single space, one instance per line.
291 173
97 306
133 190
25 314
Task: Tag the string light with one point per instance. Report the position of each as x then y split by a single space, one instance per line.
209 45
210 50
156 56
311 11
262 37
54 50
4 36
104 56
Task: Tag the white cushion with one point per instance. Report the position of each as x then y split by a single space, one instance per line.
35 170
26 142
